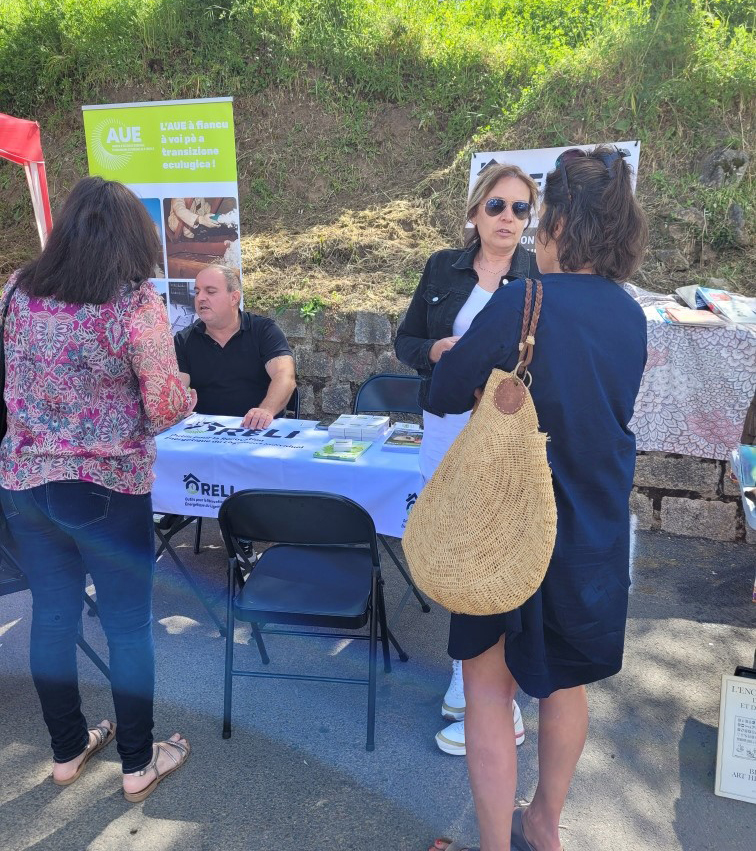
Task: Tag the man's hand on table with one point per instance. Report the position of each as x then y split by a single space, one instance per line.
257 418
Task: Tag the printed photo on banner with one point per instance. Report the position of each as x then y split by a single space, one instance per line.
161 285
538 162
152 205
181 311
200 231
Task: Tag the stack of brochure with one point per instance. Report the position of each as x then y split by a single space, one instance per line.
359 426
732 307
342 449
404 437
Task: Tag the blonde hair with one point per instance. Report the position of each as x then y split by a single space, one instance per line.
483 186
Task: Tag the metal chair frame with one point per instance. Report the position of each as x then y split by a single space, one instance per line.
13 580
296 502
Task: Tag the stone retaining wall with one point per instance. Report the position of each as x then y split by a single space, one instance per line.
335 353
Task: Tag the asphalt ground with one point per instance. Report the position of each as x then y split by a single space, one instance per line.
295 773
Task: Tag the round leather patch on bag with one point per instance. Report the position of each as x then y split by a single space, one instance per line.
509 396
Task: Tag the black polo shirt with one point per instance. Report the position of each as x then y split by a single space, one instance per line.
230 379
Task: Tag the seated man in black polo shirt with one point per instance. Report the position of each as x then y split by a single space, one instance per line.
240 364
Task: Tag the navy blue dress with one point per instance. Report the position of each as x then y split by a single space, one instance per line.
587 365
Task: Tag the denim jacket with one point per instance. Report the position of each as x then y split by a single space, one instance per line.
445 286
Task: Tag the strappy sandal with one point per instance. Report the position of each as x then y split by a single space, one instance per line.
519 842
103 737
452 845
183 750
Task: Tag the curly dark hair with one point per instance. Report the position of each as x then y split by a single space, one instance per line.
103 241
594 217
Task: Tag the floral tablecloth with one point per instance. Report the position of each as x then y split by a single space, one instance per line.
697 385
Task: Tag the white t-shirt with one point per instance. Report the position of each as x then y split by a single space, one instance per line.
440 432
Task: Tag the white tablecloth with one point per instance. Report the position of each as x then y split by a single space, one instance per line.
204 459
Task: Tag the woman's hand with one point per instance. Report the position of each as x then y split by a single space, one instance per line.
439 347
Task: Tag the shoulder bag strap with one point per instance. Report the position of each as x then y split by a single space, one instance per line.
530 317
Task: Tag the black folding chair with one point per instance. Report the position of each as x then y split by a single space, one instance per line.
390 393
323 571
387 393
12 580
291 411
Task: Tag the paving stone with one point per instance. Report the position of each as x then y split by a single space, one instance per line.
332 327
642 508
292 324
699 518
307 403
372 329
313 364
354 366
336 398
657 470
388 362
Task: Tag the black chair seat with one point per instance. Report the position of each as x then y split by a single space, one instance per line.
297 584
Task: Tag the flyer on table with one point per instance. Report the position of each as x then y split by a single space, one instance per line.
179 158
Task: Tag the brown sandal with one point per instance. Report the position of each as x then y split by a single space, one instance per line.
184 751
103 737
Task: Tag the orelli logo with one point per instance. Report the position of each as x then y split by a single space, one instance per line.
211 427
194 487
113 143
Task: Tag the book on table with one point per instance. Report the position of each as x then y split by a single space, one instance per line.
341 449
686 316
732 307
404 437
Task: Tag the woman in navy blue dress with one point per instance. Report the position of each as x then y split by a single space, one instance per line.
588 361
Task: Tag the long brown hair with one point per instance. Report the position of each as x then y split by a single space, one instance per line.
103 240
483 186
602 224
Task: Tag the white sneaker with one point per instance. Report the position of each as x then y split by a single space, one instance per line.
453 706
452 738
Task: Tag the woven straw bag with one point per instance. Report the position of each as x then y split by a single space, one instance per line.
480 536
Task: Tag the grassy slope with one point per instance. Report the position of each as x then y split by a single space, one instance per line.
355 118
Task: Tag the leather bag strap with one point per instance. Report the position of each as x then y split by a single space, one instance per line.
530 317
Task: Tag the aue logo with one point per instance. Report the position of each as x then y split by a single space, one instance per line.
194 487
113 143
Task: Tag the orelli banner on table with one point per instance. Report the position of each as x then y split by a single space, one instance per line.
538 162
203 460
179 158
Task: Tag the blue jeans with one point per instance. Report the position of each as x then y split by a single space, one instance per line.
61 532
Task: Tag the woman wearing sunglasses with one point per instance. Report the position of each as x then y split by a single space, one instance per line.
586 370
455 286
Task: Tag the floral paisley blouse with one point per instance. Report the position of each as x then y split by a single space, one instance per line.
87 386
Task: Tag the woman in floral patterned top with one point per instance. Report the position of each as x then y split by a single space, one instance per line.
91 376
